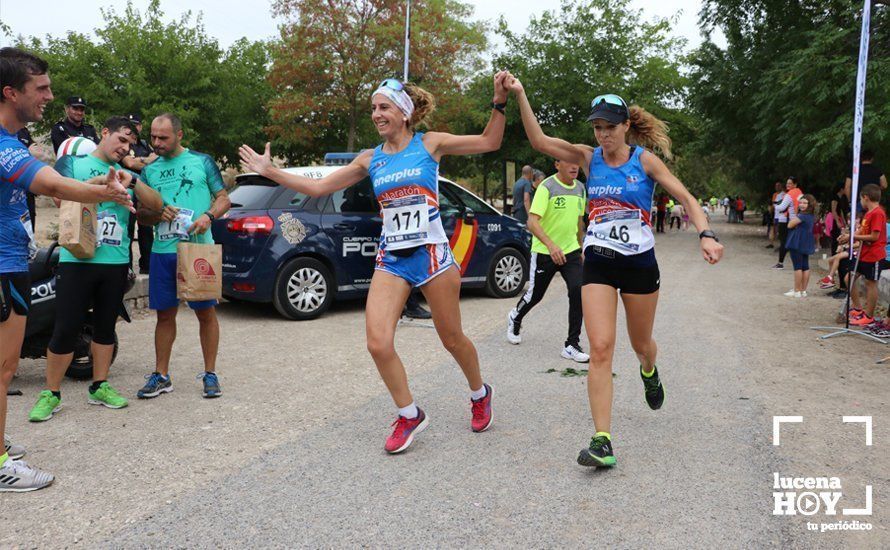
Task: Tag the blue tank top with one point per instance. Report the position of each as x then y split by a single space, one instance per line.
406 185
619 202
17 170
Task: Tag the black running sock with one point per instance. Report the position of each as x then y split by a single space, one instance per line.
58 394
95 385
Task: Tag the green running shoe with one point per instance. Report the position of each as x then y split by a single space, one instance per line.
108 396
599 454
47 404
653 388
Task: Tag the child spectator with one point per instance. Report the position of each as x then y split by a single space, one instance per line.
801 244
873 235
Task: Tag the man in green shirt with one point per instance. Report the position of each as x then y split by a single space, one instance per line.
556 220
98 282
193 194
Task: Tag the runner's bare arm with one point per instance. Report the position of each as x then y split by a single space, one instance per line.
712 251
49 182
556 148
352 173
440 144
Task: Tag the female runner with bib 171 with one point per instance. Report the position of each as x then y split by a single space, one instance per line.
619 253
414 249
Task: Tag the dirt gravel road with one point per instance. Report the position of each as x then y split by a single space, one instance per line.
292 454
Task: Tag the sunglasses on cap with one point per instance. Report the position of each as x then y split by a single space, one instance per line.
610 99
392 84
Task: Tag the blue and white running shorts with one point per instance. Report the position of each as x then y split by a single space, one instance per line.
417 267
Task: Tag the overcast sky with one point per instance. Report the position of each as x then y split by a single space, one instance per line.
228 20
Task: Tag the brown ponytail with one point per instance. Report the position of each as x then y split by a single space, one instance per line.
424 104
648 131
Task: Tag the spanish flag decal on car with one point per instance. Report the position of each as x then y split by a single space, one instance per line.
462 243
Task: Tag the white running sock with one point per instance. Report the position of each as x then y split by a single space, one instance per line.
409 412
478 394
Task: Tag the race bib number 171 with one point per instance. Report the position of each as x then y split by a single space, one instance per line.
406 220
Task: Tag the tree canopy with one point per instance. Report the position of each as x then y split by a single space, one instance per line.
137 63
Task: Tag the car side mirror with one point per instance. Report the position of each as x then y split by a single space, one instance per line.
469 215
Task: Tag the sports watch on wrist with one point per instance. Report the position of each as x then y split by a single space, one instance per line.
499 106
209 215
707 233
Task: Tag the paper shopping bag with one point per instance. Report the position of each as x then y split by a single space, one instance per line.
198 271
77 229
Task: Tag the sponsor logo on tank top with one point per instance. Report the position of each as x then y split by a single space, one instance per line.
397 176
605 190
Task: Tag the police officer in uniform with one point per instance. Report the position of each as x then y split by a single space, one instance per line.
73 125
141 155
25 137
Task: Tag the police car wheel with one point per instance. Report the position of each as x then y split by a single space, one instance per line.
304 289
507 273
81 367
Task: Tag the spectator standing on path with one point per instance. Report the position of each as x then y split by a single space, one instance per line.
521 186
869 173
537 178
677 212
556 220
775 199
96 283
786 208
193 195
840 212
801 244
740 209
872 233
726 205
73 125
141 155
661 212
24 135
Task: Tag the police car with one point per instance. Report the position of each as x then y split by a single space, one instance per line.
301 253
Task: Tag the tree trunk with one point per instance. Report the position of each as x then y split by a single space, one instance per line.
350 136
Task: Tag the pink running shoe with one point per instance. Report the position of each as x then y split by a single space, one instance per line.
404 432
862 320
482 413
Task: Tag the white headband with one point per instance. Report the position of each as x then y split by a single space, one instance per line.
400 98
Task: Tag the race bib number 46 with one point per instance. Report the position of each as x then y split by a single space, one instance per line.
110 231
177 229
620 230
406 220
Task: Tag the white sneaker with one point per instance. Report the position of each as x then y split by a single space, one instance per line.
803 294
15 452
512 329
791 293
18 477
575 354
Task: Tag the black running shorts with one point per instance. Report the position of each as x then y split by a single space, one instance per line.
15 294
629 274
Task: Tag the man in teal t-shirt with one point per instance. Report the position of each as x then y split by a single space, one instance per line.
556 220
192 189
98 282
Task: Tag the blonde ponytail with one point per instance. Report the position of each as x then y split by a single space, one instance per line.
424 104
648 131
